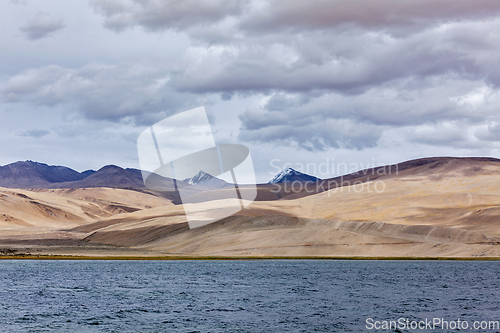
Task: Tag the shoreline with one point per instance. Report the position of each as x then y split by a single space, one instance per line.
172 258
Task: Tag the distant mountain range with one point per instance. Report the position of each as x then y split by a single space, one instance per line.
31 174
430 207
290 175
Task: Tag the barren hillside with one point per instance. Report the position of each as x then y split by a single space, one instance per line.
447 207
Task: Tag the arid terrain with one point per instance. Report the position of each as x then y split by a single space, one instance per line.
444 207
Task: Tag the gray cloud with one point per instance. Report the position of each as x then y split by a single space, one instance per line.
362 80
160 15
263 46
428 112
271 16
34 133
318 137
41 26
443 134
319 74
491 132
311 131
389 15
350 62
101 92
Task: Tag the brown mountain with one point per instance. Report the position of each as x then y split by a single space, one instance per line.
432 166
29 174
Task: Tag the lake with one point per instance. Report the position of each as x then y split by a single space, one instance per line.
246 295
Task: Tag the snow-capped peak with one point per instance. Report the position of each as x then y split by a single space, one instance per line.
281 176
200 177
290 175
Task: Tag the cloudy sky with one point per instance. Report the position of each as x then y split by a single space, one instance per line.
359 82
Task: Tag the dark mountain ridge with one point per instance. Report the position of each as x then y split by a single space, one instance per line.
34 174
30 175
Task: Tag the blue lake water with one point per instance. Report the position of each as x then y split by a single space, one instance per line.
243 296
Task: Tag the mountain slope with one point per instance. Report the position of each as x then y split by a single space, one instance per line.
441 209
431 167
38 175
433 207
34 174
42 210
290 175
203 178
108 176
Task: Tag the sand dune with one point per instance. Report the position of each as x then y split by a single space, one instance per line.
292 236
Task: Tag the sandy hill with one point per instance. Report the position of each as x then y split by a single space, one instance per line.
430 166
43 210
429 207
